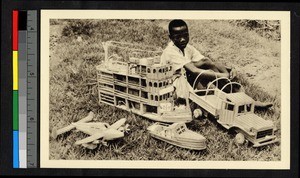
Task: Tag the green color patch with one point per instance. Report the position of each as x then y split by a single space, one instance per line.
15 110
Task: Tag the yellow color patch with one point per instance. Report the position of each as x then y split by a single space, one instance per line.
15 71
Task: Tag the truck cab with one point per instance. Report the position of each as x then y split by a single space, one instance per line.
237 112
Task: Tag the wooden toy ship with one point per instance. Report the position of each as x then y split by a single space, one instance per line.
178 134
235 110
132 79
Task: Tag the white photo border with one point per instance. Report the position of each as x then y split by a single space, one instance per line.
283 16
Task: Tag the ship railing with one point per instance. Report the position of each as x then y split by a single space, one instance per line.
123 51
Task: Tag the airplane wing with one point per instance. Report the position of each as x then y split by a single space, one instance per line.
56 132
118 124
90 138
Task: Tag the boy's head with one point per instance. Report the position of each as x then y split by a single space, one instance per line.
178 33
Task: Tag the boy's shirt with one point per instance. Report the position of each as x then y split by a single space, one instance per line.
172 54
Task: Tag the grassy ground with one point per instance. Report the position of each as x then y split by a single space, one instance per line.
73 93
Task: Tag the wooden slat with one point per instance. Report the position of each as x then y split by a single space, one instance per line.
106 80
105 92
105 89
105 84
121 83
109 103
107 100
107 97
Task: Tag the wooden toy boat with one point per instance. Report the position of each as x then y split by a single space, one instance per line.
178 134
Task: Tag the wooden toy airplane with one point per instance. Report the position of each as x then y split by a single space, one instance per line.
102 131
96 130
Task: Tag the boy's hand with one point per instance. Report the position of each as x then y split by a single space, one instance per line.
232 73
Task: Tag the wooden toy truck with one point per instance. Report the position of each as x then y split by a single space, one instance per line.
235 110
132 79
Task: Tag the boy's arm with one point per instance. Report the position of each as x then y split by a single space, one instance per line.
207 64
204 63
208 74
200 63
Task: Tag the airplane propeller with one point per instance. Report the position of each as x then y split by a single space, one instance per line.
124 129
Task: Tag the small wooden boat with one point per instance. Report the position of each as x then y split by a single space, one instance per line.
178 134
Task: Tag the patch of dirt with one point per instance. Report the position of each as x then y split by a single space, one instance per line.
264 72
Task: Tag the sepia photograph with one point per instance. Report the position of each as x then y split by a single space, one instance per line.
165 89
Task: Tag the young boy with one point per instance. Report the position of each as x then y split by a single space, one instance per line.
184 56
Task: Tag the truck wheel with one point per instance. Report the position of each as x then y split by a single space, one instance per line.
239 138
197 113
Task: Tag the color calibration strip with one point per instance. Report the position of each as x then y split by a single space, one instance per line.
24 89
15 91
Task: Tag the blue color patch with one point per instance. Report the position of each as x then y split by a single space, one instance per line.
16 149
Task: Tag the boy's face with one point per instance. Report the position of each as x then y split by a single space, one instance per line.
180 36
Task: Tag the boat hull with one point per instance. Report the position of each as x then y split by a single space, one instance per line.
183 144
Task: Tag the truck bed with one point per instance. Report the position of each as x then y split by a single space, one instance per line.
208 102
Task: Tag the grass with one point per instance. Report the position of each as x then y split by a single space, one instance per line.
73 91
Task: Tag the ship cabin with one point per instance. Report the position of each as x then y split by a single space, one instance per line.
141 85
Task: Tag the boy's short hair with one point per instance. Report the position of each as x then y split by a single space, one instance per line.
176 23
